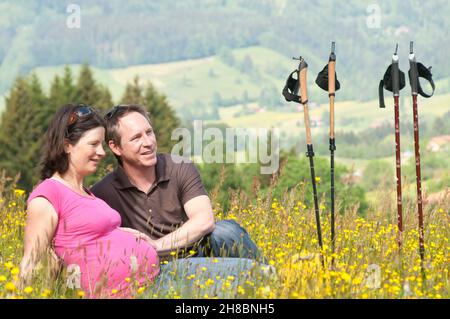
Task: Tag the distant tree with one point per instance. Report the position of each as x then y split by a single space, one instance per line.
295 172
133 93
68 87
245 98
105 99
87 91
217 99
62 90
164 119
440 127
226 56
247 65
378 175
22 126
56 98
270 97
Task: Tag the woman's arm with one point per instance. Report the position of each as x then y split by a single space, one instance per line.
39 231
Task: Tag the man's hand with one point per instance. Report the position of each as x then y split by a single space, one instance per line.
200 223
141 236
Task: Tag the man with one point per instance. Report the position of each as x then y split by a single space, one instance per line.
162 196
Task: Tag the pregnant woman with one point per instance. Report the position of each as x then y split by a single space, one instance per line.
82 229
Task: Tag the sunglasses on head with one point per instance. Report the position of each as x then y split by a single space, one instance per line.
81 111
114 110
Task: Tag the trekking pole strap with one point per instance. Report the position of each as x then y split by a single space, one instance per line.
393 79
381 94
418 70
290 90
388 83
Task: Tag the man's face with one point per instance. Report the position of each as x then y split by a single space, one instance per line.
138 142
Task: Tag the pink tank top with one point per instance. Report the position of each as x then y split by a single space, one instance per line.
109 261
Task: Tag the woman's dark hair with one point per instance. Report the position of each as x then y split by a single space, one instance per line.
69 124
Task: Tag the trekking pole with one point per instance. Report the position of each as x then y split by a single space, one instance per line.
327 81
394 81
290 93
416 70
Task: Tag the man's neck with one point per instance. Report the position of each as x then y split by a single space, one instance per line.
141 177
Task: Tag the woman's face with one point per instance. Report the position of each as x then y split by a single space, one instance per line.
85 155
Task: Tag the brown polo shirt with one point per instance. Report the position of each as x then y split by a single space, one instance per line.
160 211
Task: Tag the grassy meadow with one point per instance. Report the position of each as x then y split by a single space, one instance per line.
366 263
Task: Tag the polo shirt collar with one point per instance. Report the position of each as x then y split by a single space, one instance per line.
162 174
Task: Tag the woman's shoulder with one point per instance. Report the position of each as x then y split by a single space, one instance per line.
47 185
48 189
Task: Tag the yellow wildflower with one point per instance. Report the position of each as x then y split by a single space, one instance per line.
19 192
45 293
28 290
10 286
15 271
9 265
140 290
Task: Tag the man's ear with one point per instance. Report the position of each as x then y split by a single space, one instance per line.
114 148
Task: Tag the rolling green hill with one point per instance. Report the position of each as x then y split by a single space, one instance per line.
188 83
192 82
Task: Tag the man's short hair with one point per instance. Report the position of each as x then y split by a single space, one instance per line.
112 118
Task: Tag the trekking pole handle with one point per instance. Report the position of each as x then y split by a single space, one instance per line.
414 76
303 68
395 73
332 71
332 90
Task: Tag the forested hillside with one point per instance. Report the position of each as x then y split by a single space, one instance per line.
121 33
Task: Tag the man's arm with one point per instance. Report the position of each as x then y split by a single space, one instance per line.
200 223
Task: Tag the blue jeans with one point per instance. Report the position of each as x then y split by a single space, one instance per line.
228 239
223 263
197 277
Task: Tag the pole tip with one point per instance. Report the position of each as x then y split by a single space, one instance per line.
411 45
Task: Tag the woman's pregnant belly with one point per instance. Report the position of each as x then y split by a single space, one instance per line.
112 265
